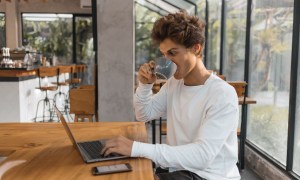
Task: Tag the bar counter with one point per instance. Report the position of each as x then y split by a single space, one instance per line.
17 74
19 96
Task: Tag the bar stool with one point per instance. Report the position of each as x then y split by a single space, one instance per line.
64 73
43 73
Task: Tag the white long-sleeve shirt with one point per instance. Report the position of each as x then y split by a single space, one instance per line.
201 123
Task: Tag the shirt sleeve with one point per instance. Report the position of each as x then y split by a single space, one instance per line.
148 106
220 122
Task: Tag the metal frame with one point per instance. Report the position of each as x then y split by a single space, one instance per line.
95 41
293 86
223 35
206 31
246 78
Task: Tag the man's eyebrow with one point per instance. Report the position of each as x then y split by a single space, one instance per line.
169 50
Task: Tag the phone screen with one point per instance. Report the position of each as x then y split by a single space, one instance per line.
111 169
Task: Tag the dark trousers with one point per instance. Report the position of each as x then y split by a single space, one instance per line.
164 174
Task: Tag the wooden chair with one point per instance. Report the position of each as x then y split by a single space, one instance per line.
42 73
77 75
240 89
82 103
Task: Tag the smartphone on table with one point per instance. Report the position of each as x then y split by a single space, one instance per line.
117 168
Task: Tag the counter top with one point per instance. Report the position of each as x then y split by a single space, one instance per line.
11 72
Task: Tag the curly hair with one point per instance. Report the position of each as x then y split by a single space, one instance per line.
181 28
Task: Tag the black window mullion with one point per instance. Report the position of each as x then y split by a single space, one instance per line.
293 86
94 20
223 29
74 38
206 31
246 78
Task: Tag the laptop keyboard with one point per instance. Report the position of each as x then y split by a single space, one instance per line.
93 149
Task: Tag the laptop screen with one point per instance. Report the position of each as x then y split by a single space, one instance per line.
66 126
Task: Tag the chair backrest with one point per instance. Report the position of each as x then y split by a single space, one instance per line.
239 86
65 69
77 73
47 71
80 69
82 101
43 72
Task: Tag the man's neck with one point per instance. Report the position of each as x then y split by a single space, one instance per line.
198 75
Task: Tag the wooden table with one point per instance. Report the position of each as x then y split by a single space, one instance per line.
49 154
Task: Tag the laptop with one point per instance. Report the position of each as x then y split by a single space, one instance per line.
88 150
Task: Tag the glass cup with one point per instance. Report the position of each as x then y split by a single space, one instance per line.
163 68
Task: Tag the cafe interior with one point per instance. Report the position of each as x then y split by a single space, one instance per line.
79 59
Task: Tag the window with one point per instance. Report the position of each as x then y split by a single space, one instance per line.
147 12
2 30
49 33
144 49
214 35
201 9
235 37
84 39
270 63
84 46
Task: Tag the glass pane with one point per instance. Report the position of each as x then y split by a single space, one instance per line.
296 167
270 63
144 49
201 6
49 33
84 46
169 8
2 30
213 39
151 7
235 37
190 8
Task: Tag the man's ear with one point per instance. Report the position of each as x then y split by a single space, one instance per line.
197 48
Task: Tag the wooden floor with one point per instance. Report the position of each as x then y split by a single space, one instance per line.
246 174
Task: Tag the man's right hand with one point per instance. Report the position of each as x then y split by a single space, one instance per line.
146 73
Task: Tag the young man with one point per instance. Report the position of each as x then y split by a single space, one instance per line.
202 110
